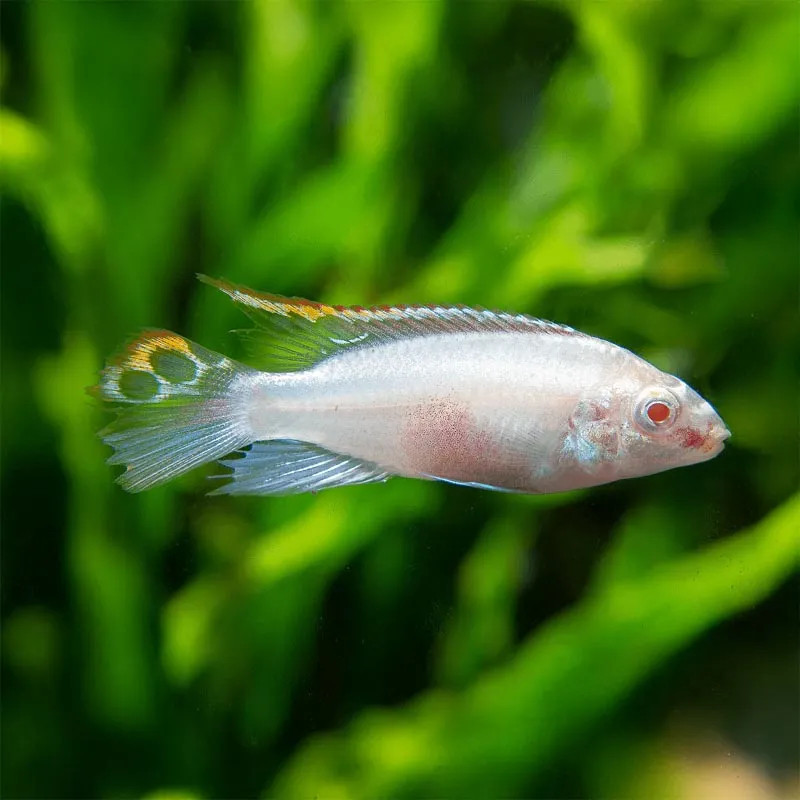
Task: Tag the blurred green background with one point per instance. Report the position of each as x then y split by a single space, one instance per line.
630 169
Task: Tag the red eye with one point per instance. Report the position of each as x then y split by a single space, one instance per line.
658 412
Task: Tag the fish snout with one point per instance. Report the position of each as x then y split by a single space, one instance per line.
713 442
718 435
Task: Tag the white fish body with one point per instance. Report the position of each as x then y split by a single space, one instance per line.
495 400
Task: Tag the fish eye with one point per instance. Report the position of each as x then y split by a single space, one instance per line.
656 410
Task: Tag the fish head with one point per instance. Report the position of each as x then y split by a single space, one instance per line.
641 422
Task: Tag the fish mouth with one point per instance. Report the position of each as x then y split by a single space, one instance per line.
705 443
717 437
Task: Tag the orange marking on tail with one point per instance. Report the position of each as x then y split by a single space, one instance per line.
137 355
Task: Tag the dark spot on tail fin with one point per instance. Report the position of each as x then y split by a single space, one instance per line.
178 405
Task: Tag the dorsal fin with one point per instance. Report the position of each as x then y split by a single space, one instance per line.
294 333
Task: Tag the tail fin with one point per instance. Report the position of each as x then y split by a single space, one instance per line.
178 405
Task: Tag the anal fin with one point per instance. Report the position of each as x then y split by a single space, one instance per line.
287 466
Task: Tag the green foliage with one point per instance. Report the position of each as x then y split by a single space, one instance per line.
485 741
630 169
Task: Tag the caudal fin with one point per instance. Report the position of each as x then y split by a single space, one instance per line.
178 406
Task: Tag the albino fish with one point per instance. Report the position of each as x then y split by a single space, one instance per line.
346 396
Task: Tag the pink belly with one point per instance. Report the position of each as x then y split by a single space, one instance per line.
443 439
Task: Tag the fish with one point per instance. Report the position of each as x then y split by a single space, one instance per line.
344 395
